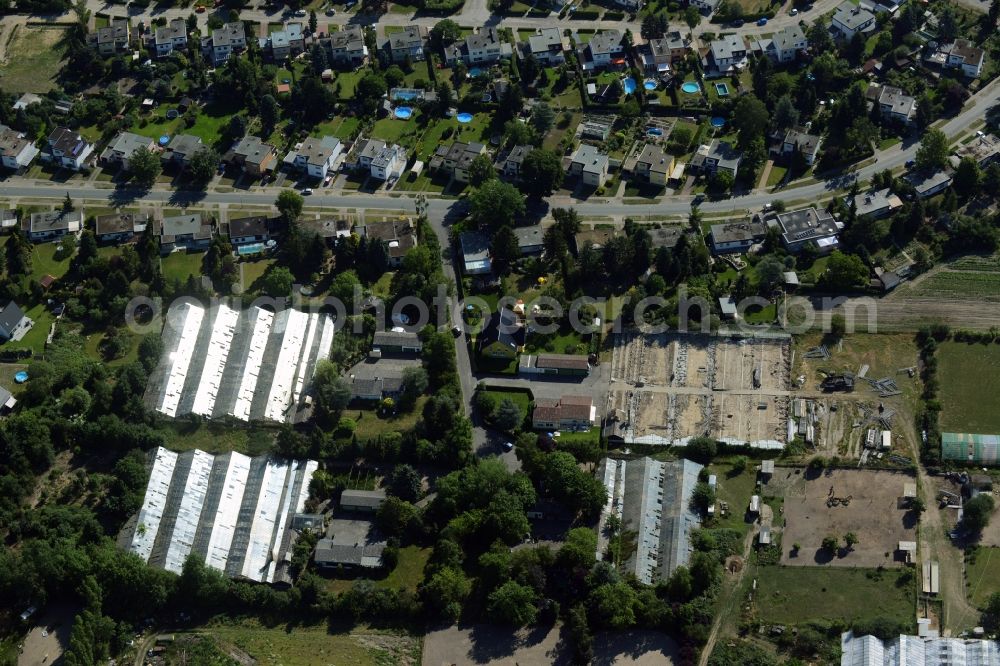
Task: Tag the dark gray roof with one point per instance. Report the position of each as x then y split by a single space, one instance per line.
395 339
367 498
503 328
10 316
528 236
330 553
248 226
606 41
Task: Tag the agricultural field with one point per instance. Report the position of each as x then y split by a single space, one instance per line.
39 58
967 373
271 646
795 595
982 575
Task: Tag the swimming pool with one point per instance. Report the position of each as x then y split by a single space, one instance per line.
476 71
649 84
406 95
654 131
722 89
629 85
690 87
252 248
464 117
402 112
718 121
21 377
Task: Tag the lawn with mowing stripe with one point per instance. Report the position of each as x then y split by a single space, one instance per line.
967 373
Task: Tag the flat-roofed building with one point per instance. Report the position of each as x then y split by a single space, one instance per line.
119 227
52 225
554 364
364 501
736 237
809 226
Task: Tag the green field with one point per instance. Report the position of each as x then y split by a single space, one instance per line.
295 646
982 575
211 121
181 265
182 435
967 373
794 595
980 283
735 490
39 58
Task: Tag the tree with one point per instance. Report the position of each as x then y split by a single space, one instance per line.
968 177
844 271
701 449
405 483
446 591
830 544
613 605
541 173
395 516
933 150
445 32
785 113
481 170
145 166
653 26
496 203
508 416
838 327
542 118
414 384
202 165
517 133
269 113
67 206
289 203
750 119
313 21
770 272
514 604
504 249
703 497
692 17
976 513
850 539
277 282
237 127
330 393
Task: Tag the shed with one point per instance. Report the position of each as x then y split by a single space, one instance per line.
755 505
909 491
767 467
765 535
728 307
362 500
908 549
712 481
791 279
886 440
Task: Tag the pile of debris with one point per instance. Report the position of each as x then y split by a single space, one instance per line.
817 352
838 382
886 387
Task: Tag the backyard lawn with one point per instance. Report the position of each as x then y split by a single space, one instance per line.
253 271
520 398
47 259
409 570
35 338
182 265
342 128
371 425
211 122
564 341
735 490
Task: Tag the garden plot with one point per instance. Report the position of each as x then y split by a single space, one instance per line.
874 514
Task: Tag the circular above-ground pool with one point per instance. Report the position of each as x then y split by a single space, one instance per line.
475 71
649 84
402 112
690 87
164 140
464 117
21 377
718 121
172 113
654 131
629 85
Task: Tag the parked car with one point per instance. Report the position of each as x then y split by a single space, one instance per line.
306 191
738 23
331 12
456 331
508 446
910 164
300 13
762 20
794 12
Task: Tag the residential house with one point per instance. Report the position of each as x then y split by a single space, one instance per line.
595 129
8 220
408 43
26 100
67 149
928 184
119 227
815 228
171 37
736 237
798 140
546 46
784 46
985 150
596 238
225 41
247 230
389 162
399 236
333 556
654 164
316 156
253 155
665 236
396 342
966 56
604 50
704 6
554 364
289 41
510 166
16 150
181 149
456 159
52 225
725 55
123 146
893 103
187 232
658 55
850 19
13 322
876 204
880 6
111 39
571 412
530 239
590 165
716 156
475 253
346 47
483 47
502 337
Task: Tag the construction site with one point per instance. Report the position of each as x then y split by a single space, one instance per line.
873 504
668 387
